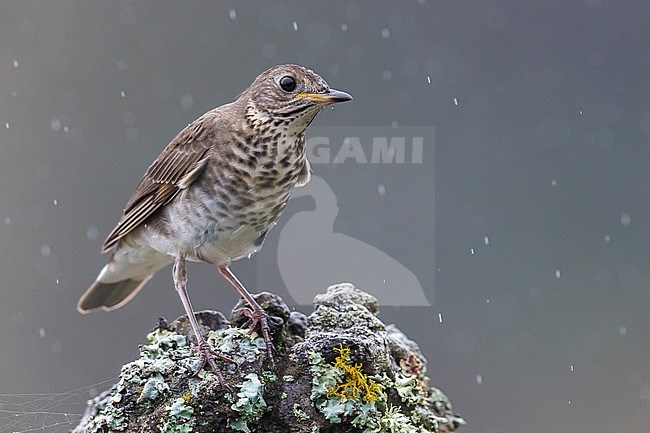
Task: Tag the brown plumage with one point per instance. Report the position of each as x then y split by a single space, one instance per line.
215 191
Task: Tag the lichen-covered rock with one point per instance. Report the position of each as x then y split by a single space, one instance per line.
339 370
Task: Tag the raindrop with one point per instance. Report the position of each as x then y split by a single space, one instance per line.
440 317
384 280
41 332
487 301
486 240
57 281
626 220
608 238
295 25
122 65
479 379
66 128
8 221
471 250
55 202
92 233
7 125
553 182
385 33
382 190
344 27
558 274
428 79
581 112
15 63
571 367
456 101
233 14
55 124
122 94
622 330
45 250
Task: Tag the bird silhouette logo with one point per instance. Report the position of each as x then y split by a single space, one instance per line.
309 243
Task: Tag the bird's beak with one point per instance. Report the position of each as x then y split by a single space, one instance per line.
331 97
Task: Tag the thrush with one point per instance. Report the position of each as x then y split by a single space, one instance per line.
214 193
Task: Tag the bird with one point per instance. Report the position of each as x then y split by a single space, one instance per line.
214 193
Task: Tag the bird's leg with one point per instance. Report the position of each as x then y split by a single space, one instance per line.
206 353
257 315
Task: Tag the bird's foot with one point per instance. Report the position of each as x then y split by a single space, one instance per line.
259 319
207 355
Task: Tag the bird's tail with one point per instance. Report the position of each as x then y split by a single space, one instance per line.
109 296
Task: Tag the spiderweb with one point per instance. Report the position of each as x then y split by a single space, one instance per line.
51 413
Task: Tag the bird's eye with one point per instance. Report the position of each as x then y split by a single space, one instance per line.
288 83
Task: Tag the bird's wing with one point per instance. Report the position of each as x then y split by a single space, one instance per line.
180 164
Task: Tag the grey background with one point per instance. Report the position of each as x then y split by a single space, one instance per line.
546 153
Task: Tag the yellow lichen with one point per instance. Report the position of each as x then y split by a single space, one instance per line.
356 386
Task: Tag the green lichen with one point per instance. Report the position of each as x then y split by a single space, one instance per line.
159 358
180 418
107 416
324 376
166 351
299 413
238 344
250 404
343 393
409 389
269 376
393 421
360 399
370 383
153 387
333 409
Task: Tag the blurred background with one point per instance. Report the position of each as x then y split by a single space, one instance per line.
533 194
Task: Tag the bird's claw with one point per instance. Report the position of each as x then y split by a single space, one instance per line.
259 318
207 356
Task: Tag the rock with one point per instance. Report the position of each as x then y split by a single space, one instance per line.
338 370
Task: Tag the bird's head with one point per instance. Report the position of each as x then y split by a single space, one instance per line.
291 95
